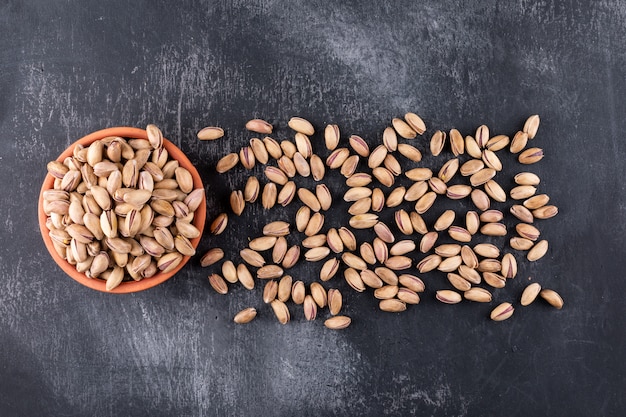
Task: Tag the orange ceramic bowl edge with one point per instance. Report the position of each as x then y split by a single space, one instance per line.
126 286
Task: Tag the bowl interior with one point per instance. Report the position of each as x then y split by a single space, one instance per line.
127 286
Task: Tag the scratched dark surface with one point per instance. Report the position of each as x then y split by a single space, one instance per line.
69 68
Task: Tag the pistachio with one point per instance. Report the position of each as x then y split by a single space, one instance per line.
509 266
237 202
218 284
349 166
286 194
315 224
493 279
115 278
519 142
456 142
416 191
329 269
390 139
317 254
531 125
403 129
419 174
291 257
498 143
538 251
273 148
359 145
367 253
392 164
458 191
310 308
415 122
281 290
535 202
251 190
371 279
482 176
337 158
437 142
276 175
448 170
335 301
493 229
169 261
277 228
494 191
445 220
245 277
361 206
347 237
491 160
211 256
184 246
280 250
530 293
259 126
301 125
252 258
410 152
521 213
280 311
377 156
487 250
398 263
469 257
527 178
359 179
425 202
545 212
471 167
267 271
448 296
437 185
450 264
301 165
337 322
552 297
383 232
520 243
392 305
334 241
357 193
403 221
428 241
219 224
530 156
502 312
472 222
298 292
331 136
303 215
269 195
303 145
479 295
314 241
527 231
470 274
210 133
353 261
489 265
363 221
418 223
472 148
459 282
353 278
384 176
448 249
245 316
318 169
288 148
459 234
380 250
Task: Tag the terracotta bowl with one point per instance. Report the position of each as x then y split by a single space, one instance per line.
126 286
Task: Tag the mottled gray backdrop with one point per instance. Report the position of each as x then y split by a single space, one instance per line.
68 68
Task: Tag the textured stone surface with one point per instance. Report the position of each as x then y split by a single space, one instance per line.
69 68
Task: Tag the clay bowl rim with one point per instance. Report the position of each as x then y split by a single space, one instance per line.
126 286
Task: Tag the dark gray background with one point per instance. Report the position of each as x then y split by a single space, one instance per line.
69 68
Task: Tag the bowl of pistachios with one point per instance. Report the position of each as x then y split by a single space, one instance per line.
122 209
